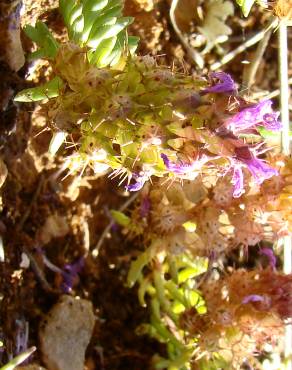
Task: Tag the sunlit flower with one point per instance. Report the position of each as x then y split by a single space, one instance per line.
268 252
237 181
260 114
260 170
257 167
140 181
225 84
181 168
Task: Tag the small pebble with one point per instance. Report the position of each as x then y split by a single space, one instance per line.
65 334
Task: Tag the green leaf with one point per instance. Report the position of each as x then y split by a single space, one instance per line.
245 6
78 26
75 13
120 218
176 293
18 359
138 265
132 44
107 31
145 285
99 25
188 273
92 22
94 5
267 134
50 89
124 44
102 53
41 35
66 7
165 334
103 19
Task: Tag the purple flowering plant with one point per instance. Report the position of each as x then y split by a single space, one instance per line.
152 121
183 142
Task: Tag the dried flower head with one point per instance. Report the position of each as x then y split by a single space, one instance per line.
245 310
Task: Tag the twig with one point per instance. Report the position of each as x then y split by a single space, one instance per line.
29 208
38 270
284 99
105 232
247 44
193 54
266 95
252 68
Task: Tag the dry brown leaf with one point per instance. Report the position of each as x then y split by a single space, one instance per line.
185 14
214 28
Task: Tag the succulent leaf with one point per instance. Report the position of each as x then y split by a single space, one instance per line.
48 90
99 26
245 6
41 35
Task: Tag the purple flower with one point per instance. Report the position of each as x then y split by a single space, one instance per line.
257 115
145 207
253 298
138 185
270 254
260 170
70 273
237 181
257 167
226 84
178 168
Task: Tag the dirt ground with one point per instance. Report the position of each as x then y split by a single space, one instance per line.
63 220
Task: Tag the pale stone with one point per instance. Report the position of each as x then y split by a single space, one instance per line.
65 334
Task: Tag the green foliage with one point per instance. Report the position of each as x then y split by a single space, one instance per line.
120 218
100 26
42 36
169 284
48 90
18 359
97 25
245 6
267 134
135 272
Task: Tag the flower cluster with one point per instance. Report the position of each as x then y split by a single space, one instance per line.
146 120
245 311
